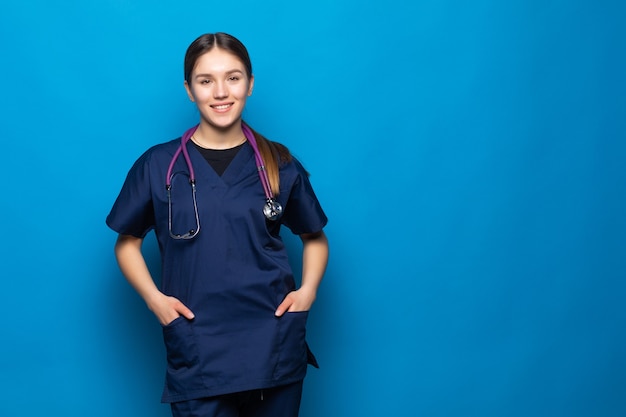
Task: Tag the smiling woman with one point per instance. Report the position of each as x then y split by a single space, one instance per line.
219 86
233 320
470 155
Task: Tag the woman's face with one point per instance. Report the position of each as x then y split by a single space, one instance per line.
219 86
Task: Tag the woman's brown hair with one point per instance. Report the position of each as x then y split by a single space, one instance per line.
273 153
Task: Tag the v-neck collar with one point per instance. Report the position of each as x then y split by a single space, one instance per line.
237 168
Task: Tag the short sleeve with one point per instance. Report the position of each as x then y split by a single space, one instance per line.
303 212
133 212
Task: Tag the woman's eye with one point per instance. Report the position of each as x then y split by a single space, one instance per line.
205 81
234 78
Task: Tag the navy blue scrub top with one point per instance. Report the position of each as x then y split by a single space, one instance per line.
232 275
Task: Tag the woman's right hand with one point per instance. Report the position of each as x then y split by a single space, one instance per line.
167 309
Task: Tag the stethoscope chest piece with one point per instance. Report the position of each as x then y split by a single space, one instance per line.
272 209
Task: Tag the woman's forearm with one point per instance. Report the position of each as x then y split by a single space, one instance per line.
314 260
133 266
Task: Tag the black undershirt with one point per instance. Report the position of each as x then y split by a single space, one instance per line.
219 159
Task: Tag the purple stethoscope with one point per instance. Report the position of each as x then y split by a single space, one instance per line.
271 209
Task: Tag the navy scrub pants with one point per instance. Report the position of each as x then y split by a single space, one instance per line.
283 401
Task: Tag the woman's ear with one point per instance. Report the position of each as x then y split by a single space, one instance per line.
189 92
251 87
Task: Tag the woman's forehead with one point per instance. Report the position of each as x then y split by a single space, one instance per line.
218 61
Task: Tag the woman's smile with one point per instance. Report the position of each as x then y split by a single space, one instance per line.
221 108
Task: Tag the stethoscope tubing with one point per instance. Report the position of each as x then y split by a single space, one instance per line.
192 176
259 162
272 209
182 148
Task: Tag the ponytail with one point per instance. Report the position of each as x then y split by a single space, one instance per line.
273 154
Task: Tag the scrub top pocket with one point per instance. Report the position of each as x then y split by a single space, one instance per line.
183 358
292 360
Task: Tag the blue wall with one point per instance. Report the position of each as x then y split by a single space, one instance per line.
470 156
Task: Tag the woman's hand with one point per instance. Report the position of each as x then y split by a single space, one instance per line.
167 309
299 300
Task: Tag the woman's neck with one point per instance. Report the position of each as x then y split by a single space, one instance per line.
210 137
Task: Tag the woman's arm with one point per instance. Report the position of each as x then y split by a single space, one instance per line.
314 261
133 266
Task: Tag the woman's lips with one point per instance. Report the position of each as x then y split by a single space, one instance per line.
221 107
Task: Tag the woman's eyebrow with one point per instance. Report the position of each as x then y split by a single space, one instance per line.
230 72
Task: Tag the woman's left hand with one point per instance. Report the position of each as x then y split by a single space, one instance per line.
299 300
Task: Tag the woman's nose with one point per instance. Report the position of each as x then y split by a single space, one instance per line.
220 90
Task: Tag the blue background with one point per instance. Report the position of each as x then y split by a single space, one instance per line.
470 156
